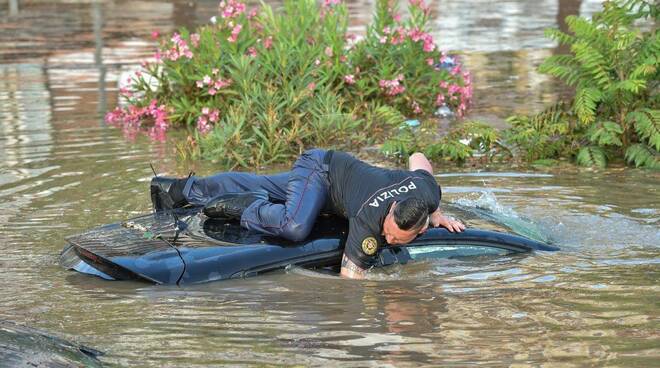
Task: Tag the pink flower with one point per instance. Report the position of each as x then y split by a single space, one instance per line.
214 116
311 86
194 38
416 108
231 8
234 33
392 87
415 34
317 62
399 36
455 70
453 89
178 49
251 52
383 39
155 35
221 83
125 92
206 79
253 13
203 125
349 79
343 58
212 91
327 3
430 61
440 99
268 42
205 110
328 51
397 18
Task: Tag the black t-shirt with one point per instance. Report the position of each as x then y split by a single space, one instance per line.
363 194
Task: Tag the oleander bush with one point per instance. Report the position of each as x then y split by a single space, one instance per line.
613 66
257 86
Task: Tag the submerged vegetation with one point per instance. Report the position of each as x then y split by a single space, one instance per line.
256 87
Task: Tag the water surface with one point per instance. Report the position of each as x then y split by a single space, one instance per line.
62 171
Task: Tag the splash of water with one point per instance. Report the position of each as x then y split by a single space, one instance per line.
487 206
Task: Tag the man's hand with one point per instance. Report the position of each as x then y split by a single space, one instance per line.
351 270
438 219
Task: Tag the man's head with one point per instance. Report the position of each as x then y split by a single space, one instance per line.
405 220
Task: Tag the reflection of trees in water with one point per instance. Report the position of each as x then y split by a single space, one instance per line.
26 134
25 115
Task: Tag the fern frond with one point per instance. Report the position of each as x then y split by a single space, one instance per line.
646 69
593 63
559 36
613 15
640 8
643 156
585 104
592 156
584 29
606 133
647 125
630 85
569 74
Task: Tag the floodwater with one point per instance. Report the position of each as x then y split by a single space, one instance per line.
594 303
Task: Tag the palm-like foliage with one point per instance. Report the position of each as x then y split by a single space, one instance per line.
613 66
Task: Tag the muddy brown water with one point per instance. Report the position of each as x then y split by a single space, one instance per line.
62 170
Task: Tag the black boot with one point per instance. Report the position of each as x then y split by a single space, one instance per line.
232 205
167 193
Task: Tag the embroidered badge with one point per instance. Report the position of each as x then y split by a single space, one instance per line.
369 246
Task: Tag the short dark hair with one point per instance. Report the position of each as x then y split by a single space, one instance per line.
411 213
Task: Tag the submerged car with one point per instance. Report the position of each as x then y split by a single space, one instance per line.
186 247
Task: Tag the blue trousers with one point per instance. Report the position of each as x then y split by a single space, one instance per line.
295 198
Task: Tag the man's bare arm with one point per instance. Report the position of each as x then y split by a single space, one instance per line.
418 161
351 270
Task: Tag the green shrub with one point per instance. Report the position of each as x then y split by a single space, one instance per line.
613 66
467 140
549 134
258 87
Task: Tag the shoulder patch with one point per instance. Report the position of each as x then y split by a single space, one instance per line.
369 246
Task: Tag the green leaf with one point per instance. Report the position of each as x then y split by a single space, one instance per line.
647 125
585 104
606 133
592 156
643 156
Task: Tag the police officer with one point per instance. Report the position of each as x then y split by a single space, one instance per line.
381 205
